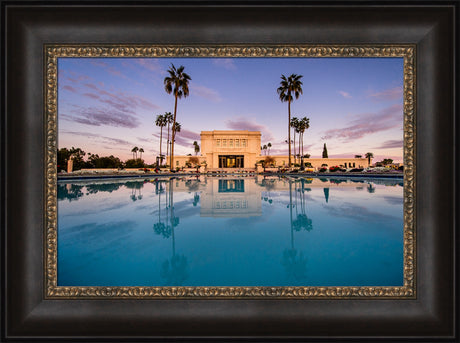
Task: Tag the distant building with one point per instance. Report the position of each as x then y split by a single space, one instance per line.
240 149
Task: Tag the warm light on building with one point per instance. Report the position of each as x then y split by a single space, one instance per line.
240 149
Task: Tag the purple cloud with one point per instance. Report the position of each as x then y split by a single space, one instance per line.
91 95
149 64
245 124
69 88
396 143
99 63
122 101
206 93
97 117
103 139
388 94
369 123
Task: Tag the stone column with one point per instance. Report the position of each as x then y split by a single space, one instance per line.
70 165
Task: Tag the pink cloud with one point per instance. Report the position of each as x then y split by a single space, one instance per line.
226 63
345 94
397 143
91 95
388 94
245 124
99 63
69 88
369 123
149 64
206 93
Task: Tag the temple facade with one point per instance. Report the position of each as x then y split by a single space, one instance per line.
240 149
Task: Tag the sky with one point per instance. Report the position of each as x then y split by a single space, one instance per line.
106 106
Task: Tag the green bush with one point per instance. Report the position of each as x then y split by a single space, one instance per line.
134 163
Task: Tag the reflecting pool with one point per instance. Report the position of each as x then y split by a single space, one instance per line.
231 231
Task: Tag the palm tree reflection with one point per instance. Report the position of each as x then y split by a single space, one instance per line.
135 187
370 188
294 262
175 269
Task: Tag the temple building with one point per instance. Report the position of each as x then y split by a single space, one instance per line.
240 149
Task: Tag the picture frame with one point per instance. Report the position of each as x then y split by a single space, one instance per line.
30 314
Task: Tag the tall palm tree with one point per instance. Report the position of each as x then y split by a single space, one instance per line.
265 148
294 125
304 124
290 88
177 83
161 122
141 150
169 120
134 151
369 155
269 145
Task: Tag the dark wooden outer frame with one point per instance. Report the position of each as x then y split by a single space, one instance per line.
28 26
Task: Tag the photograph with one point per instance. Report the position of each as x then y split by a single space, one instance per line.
230 172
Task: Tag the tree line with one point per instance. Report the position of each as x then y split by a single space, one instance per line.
83 160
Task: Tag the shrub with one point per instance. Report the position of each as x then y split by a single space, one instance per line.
134 163
269 161
193 161
322 170
334 169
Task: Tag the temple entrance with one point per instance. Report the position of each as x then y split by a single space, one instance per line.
231 161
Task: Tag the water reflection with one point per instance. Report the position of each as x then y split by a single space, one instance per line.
174 269
198 230
233 198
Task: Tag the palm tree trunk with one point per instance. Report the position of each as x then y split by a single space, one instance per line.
167 146
173 133
161 137
294 146
290 212
302 143
289 131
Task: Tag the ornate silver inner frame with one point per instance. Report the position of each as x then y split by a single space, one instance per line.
54 52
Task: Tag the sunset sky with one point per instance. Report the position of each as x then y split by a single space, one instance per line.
107 106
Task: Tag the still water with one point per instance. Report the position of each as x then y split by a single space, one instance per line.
231 231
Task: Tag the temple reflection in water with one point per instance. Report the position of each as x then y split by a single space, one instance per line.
231 198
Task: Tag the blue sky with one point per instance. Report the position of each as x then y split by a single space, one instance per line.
109 105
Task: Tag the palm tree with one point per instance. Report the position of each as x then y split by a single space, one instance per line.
294 125
304 124
176 82
161 122
269 146
265 148
169 120
290 86
141 150
197 147
134 151
176 128
369 155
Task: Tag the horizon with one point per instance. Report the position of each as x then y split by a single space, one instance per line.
107 106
